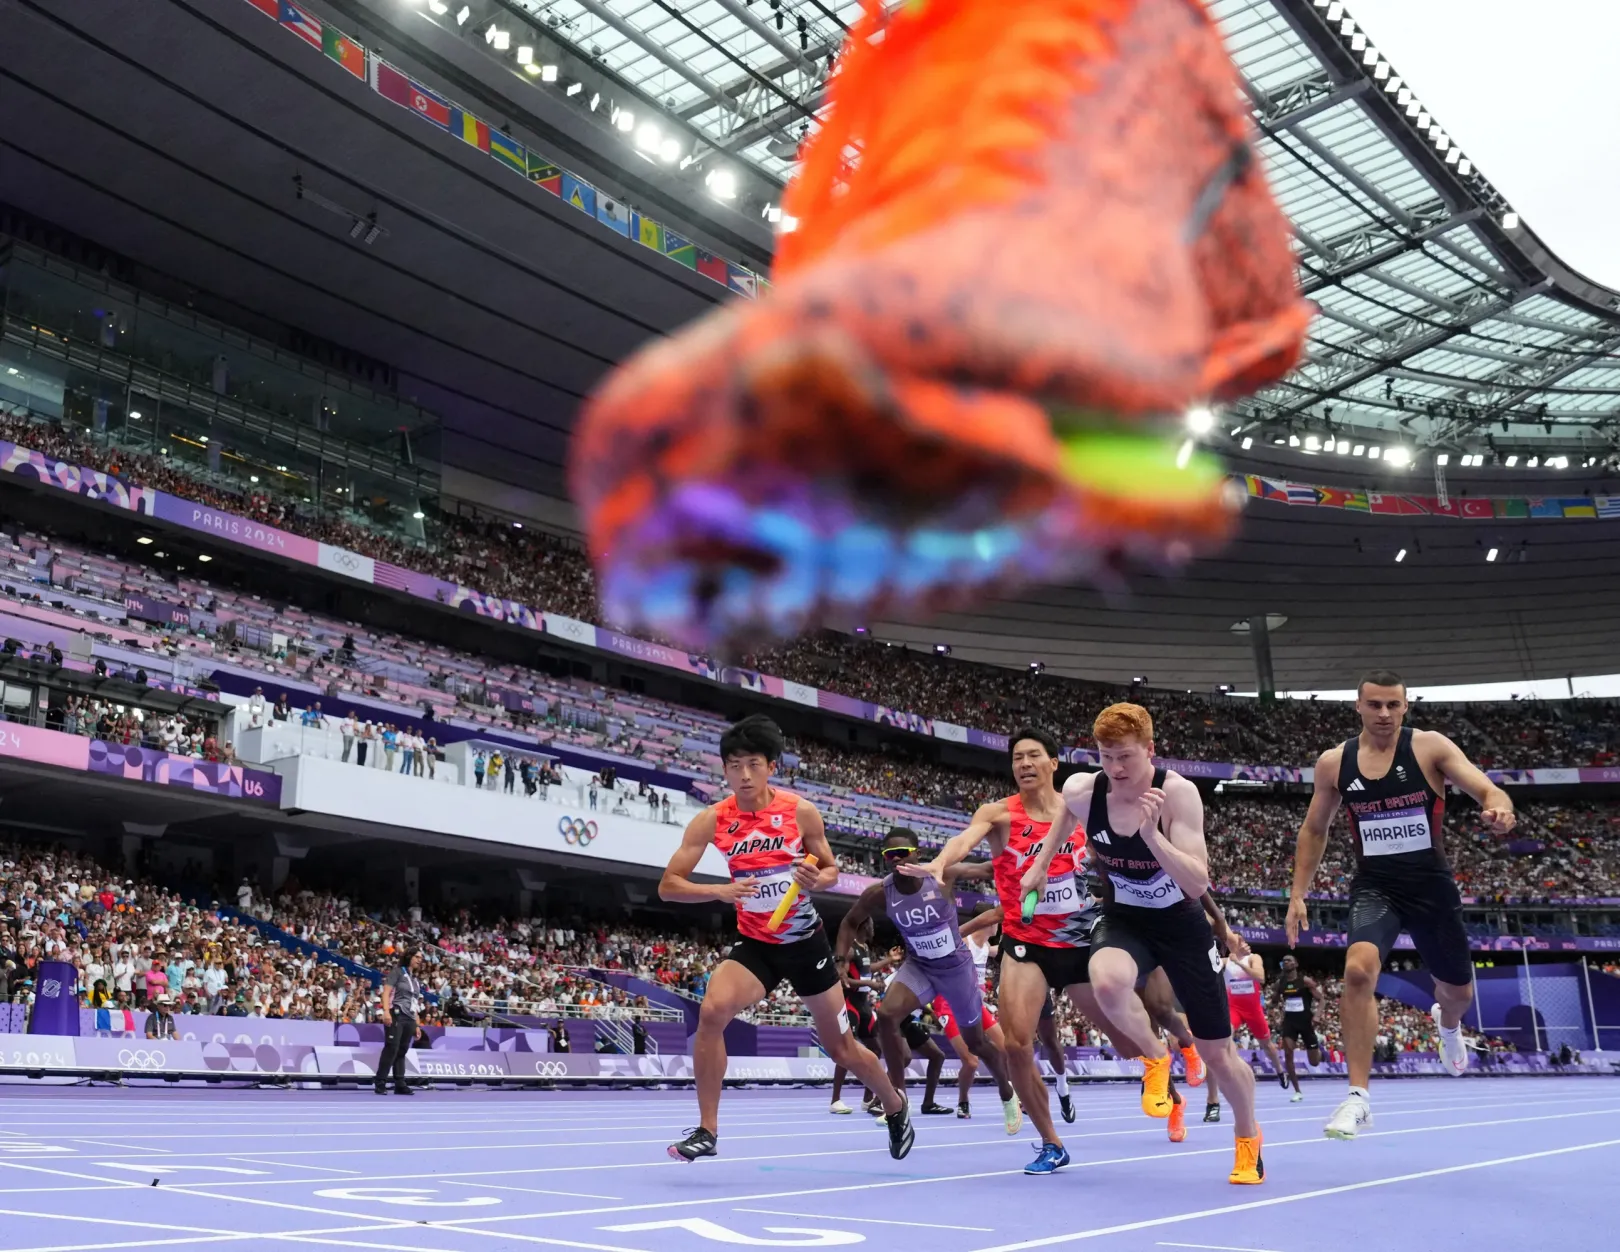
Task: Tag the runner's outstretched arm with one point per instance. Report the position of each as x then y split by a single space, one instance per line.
862 909
1312 841
988 920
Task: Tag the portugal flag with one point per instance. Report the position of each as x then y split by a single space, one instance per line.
350 55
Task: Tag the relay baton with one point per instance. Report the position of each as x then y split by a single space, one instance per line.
789 897
1031 898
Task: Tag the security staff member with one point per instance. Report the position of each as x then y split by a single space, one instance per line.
401 1001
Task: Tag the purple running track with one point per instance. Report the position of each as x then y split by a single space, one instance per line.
1482 1163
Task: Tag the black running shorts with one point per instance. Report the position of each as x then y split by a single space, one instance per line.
1063 967
807 965
914 1033
1428 908
862 1025
1301 1029
1179 941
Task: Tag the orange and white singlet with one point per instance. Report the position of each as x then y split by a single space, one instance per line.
762 845
1060 917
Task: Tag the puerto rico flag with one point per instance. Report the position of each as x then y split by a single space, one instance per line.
301 24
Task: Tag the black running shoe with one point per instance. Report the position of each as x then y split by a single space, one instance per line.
901 1135
1212 1112
1066 1107
698 1142
935 1109
1282 1079
963 1111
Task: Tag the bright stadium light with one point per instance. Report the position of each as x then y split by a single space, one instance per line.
1359 450
1248 443
1511 460
1400 556
1491 555
624 120
649 138
438 8
1374 452
670 150
503 40
1293 441
1200 419
574 89
1533 462
548 73
1398 456
1510 221
525 55
462 15
1443 459
722 184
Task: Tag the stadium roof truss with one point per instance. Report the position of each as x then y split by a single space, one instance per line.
1444 319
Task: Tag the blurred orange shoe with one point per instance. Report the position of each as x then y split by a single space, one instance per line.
1177 1126
1248 1168
937 396
1195 1066
1156 1101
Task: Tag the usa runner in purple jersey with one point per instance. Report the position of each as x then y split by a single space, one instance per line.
937 963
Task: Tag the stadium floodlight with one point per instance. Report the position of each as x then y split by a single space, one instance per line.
1312 443
134 414
418 515
1453 156
1510 221
1358 41
1200 419
670 150
525 55
462 15
596 99
574 89
1248 442
438 8
1423 118
1321 4
1443 459
1511 460
722 184
1381 71
1532 462
1348 26
1403 97
489 35
1398 456
1465 167
1400 556
532 70
503 40
1344 447
1491 555
1395 85
1293 441
623 119
1335 11
548 73
1359 450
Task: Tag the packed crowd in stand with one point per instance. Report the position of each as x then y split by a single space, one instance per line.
548 573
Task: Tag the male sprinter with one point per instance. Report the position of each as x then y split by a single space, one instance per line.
764 833
1392 779
858 1007
1299 1001
1050 951
938 964
1145 834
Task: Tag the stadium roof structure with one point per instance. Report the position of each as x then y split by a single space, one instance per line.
1445 323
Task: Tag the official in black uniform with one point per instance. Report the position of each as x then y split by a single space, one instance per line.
401 1002
1392 780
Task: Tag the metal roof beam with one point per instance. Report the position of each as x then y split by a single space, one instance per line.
701 81
1287 106
1330 159
1376 244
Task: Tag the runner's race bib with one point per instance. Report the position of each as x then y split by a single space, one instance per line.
773 885
1404 830
1293 1004
934 944
1240 986
1061 895
1158 892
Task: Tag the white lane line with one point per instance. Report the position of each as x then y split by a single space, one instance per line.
1272 1201
325 1169
869 1221
169 1241
584 1195
124 1147
1137 1126
1213 1247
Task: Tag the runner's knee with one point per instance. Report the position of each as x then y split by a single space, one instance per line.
1361 972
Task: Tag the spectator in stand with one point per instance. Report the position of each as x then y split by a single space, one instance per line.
160 1021
256 708
244 897
282 711
479 762
349 728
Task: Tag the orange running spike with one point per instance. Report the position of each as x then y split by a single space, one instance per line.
1013 211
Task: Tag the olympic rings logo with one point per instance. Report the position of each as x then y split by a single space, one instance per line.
142 1059
550 1069
577 830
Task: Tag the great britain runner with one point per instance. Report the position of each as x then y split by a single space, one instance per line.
1392 781
764 833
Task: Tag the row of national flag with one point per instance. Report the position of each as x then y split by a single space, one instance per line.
1391 504
394 85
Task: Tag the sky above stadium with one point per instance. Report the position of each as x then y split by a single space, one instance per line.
1531 93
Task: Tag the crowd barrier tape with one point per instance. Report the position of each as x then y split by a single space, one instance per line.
259 537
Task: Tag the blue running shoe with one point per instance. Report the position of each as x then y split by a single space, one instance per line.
1051 1159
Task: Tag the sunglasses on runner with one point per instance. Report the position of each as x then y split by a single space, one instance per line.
897 854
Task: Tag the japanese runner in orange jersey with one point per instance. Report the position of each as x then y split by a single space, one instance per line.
972 369
1048 952
763 835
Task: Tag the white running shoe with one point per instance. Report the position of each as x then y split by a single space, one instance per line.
1453 1047
1296 1097
1353 1115
1012 1113
838 1106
